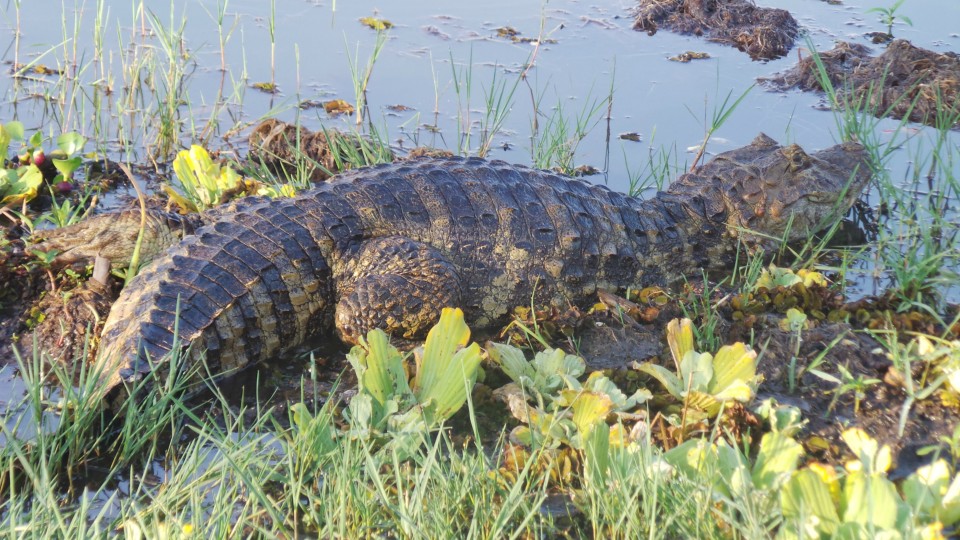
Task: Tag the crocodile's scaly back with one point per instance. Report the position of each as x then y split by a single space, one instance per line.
388 246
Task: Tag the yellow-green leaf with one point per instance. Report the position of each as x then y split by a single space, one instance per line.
375 23
179 199
696 371
870 500
445 374
589 409
23 187
776 461
385 376
734 372
805 495
702 401
666 377
872 458
449 334
680 338
933 491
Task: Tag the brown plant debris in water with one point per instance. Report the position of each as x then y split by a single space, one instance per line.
72 321
904 81
763 33
289 150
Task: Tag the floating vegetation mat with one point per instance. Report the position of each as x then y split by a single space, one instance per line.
763 33
905 81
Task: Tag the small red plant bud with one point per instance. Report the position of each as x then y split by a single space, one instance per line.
64 188
39 158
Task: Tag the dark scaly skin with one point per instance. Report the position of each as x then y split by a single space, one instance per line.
389 246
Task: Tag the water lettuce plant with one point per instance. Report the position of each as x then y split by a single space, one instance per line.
554 405
860 501
392 403
202 182
705 382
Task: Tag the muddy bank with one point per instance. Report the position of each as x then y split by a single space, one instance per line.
905 81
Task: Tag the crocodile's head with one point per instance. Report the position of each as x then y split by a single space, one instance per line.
785 193
112 236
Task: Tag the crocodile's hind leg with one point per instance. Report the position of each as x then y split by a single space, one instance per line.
395 284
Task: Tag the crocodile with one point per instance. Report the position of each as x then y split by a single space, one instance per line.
388 246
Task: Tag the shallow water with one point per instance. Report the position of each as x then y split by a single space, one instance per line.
595 52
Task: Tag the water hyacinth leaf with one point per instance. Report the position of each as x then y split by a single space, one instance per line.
178 199
362 416
383 377
776 461
785 419
301 415
67 166
734 472
5 139
23 185
737 391
71 143
812 277
13 131
680 338
550 429
773 277
318 429
7 177
522 435
795 321
444 339
596 451
450 392
701 401
806 495
275 192
201 179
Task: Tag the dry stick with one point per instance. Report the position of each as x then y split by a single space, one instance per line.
135 258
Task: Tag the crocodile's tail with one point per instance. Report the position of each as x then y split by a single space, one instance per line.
238 291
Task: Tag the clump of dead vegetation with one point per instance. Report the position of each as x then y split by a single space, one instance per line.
905 81
763 33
